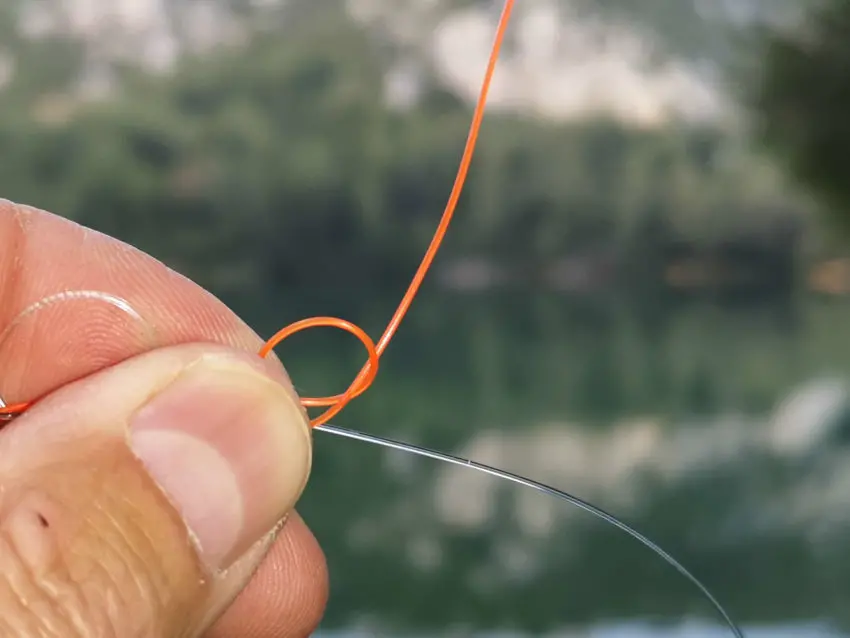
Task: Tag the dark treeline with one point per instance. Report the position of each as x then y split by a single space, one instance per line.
801 104
278 162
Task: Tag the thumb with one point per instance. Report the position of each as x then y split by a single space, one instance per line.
138 501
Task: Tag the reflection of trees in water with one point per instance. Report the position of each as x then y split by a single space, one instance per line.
742 481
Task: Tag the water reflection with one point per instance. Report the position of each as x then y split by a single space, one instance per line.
640 630
719 432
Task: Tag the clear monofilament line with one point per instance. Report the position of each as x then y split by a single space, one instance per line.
546 489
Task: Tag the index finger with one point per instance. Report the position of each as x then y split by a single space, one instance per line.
42 255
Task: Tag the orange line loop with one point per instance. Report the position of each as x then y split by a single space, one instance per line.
361 382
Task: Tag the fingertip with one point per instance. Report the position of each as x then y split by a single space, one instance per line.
287 596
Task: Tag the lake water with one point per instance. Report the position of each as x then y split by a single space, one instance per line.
721 432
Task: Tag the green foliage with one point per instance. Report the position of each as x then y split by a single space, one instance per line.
802 100
278 161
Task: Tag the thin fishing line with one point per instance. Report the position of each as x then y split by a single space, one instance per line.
545 489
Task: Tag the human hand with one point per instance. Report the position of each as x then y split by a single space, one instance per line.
137 413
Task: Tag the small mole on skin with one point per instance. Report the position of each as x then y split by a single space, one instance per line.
43 521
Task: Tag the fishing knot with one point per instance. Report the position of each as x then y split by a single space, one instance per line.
361 382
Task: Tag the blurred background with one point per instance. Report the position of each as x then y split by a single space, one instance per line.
643 299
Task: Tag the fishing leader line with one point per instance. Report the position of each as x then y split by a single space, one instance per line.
368 372
544 489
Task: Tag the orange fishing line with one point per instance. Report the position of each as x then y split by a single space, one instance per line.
14 409
369 371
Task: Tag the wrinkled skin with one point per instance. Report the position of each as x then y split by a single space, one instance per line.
83 556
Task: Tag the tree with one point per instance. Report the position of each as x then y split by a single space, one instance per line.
802 100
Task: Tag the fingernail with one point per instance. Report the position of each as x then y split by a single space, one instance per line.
230 448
